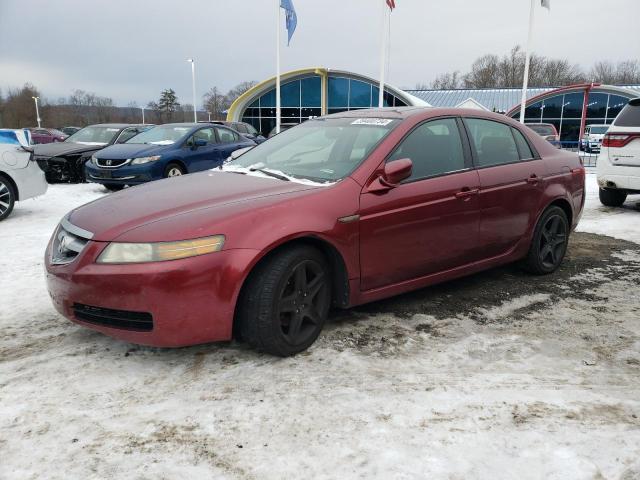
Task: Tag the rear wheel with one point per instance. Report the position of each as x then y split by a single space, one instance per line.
549 245
285 302
7 198
113 187
173 170
612 198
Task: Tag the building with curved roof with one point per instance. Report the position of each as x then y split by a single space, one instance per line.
313 92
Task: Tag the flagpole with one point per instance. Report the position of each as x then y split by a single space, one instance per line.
278 112
383 53
527 61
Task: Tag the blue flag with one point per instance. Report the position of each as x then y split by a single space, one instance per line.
292 18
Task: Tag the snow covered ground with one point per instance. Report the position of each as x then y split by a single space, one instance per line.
500 375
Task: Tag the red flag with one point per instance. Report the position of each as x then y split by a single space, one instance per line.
392 4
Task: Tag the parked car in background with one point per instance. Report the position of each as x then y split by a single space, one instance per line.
245 129
64 162
20 176
283 127
69 130
168 150
547 131
340 211
592 138
619 162
47 135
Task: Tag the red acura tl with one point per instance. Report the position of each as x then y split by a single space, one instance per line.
338 211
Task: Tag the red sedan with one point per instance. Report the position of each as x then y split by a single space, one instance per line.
47 135
339 211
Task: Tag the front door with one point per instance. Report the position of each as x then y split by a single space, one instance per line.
429 223
512 177
202 157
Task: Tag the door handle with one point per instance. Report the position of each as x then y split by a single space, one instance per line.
533 179
467 192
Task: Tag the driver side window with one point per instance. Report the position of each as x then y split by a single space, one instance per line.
204 134
434 148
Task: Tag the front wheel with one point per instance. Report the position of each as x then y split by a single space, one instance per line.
612 198
285 302
113 187
173 170
549 244
7 198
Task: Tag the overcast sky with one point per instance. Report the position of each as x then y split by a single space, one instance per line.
130 50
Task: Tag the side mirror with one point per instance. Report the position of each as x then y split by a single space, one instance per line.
394 173
199 143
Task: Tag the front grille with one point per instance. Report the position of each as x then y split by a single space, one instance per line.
106 317
68 242
109 163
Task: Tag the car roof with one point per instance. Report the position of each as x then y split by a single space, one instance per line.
119 125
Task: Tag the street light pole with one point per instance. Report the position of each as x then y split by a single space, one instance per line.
35 99
142 108
193 85
209 113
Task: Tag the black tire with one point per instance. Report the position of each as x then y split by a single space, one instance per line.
612 198
549 244
291 289
7 197
174 170
114 187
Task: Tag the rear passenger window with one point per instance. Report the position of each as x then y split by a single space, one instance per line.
434 148
523 145
494 144
226 136
629 116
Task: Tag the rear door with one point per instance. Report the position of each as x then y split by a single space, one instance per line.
512 177
229 142
429 223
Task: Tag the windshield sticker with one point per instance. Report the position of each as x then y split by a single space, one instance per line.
181 129
379 122
113 129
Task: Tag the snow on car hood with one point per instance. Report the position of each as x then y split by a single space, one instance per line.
252 171
180 208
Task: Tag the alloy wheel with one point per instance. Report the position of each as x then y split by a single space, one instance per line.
6 199
553 241
174 172
301 302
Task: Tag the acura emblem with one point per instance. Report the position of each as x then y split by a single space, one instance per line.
108 163
64 241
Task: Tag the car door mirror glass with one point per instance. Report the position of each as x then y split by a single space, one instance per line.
200 143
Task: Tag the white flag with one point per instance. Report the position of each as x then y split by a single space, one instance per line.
546 4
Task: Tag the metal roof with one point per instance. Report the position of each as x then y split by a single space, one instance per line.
499 99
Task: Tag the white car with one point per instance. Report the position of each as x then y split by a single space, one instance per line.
619 161
592 139
20 175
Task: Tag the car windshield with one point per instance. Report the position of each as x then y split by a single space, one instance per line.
94 135
321 150
162 135
599 130
542 129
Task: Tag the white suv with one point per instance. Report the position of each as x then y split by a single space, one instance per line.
20 175
592 139
619 161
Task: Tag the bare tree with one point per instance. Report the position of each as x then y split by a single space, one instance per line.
446 81
484 73
216 103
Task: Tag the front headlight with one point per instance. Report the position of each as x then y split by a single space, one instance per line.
94 159
141 160
160 251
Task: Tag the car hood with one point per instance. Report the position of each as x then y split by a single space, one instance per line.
131 150
64 148
182 208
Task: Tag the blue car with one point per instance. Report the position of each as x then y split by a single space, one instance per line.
164 151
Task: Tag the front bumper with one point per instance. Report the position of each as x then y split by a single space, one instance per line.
190 301
127 175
